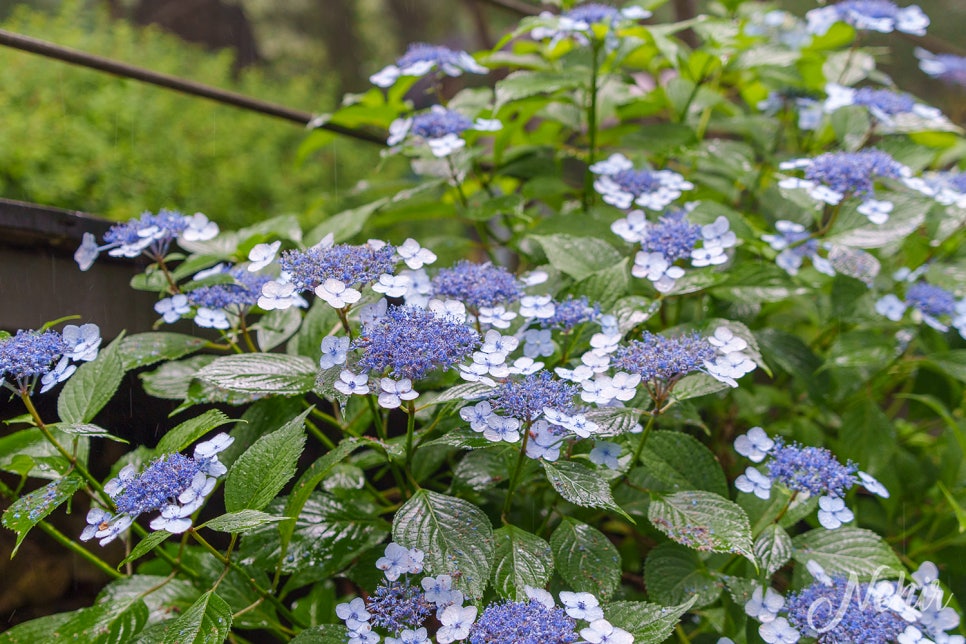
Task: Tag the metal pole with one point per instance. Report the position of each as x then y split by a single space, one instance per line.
75 57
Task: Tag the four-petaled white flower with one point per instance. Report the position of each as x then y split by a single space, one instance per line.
336 294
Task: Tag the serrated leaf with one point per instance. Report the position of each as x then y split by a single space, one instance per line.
261 374
463 391
145 545
92 386
581 485
265 467
85 429
773 549
673 574
30 509
171 380
648 623
241 521
578 257
522 559
674 461
702 520
346 224
277 326
524 84
207 621
585 558
952 362
606 286
455 535
28 452
185 434
42 629
847 551
143 349
322 634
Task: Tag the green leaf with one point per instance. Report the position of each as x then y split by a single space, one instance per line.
847 551
648 623
581 485
346 224
673 574
92 386
702 520
275 327
524 84
207 621
455 535
773 549
42 629
952 362
172 380
265 467
674 461
85 429
486 209
28 452
143 349
522 559
185 434
847 67
241 521
261 374
606 286
322 634
585 558
578 257
317 323
146 545
29 510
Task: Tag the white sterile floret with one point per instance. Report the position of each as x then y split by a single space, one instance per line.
353 613
82 341
579 374
172 520
58 374
278 295
369 313
453 309
261 255
764 606
708 256
537 306
877 211
216 444
172 308
816 570
456 622
537 343
872 485
499 429
832 512
754 482
597 361
632 228
729 367
718 234
912 635
194 496
605 342
726 341
363 635
891 307
211 318
414 255
496 316
779 631
478 415
334 351
656 268
532 278
495 342
525 366
605 454
539 595
392 285
493 364
395 561
601 631
199 228
754 445
544 441
926 574
350 383
581 606
624 385
393 392
336 294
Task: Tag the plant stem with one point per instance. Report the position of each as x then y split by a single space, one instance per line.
410 432
515 478
644 435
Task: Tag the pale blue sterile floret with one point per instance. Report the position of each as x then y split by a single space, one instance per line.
421 59
150 234
620 185
409 342
174 485
779 27
764 606
946 67
477 285
605 454
796 245
334 351
883 16
439 128
47 355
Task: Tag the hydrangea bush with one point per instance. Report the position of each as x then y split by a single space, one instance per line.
659 373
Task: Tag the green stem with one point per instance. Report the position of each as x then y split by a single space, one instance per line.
410 433
515 478
322 438
245 334
592 126
644 435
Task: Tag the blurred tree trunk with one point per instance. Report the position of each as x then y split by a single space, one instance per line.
411 19
216 24
340 37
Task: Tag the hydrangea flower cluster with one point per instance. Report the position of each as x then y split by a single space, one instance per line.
174 484
48 355
812 471
215 306
779 27
795 244
402 607
927 302
883 16
478 286
620 185
150 235
809 110
835 609
947 188
835 176
671 240
946 67
886 105
421 59
439 128
578 23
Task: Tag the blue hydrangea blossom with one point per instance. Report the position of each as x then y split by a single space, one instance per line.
883 16
47 356
421 59
934 305
620 185
439 129
578 23
890 108
949 68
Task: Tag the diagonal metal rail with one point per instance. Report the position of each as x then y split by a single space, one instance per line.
92 61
